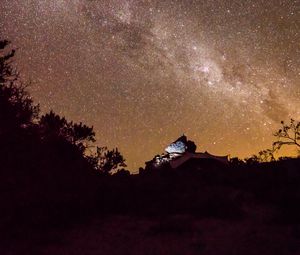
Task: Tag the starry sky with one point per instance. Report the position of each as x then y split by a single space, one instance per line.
142 72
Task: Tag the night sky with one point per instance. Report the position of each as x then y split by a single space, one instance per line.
225 73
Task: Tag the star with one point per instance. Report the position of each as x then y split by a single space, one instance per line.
143 72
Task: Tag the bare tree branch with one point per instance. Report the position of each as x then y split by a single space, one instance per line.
289 134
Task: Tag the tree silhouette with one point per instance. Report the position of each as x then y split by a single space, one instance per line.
17 110
21 126
106 160
53 128
289 134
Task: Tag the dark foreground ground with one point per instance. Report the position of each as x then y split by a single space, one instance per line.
241 209
176 234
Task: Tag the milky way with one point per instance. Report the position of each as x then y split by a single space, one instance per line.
144 72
